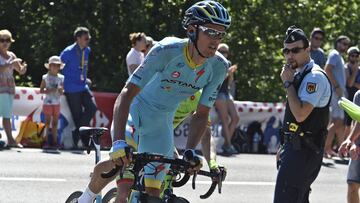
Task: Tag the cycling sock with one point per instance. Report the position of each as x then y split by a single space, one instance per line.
213 164
87 196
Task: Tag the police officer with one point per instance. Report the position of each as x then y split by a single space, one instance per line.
306 117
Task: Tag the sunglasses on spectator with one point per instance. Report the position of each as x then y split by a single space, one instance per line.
212 33
354 55
294 50
2 40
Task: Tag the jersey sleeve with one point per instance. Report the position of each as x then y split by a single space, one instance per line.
211 90
154 62
64 56
333 58
313 88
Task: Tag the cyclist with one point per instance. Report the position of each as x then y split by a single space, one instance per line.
173 70
185 109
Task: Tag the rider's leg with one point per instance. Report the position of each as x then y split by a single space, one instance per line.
124 185
97 183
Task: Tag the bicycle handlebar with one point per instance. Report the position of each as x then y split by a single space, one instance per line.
179 165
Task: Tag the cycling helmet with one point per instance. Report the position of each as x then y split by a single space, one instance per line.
204 12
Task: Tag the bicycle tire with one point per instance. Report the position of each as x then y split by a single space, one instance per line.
176 199
110 196
74 197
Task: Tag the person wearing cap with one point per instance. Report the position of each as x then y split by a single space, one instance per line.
76 90
8 63
52 85
135 56
335 69
317 54
352 80
306 117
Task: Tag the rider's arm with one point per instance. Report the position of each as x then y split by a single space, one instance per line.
142 75
199 120
198 125
121 109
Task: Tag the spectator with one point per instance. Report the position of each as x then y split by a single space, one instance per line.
135 55
335 70
351 142
52 86
8 63
316 53
149 44
225 106
77 92
352 80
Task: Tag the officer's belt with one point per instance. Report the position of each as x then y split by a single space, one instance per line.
298 142
298 139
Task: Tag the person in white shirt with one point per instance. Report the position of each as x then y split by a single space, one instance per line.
135 55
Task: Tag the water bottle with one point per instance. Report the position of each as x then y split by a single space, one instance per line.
256 140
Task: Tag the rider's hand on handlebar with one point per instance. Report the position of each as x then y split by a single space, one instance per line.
118 153
194 159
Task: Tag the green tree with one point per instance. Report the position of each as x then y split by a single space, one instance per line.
44 28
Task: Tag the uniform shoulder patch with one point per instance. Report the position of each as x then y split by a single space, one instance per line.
311 87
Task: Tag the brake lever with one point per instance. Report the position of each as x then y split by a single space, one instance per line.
193 180
221 178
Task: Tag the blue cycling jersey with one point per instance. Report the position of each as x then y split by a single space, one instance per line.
168 75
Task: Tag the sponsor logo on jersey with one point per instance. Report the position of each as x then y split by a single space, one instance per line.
181 83
199 74
175 74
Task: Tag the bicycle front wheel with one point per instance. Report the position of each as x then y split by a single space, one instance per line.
110 196
73 198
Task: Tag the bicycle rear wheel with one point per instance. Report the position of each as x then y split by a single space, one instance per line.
73 197
110 196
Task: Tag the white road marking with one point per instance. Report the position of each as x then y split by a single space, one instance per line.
255 183
32 179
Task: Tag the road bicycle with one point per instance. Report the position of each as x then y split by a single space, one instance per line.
93 134
177 167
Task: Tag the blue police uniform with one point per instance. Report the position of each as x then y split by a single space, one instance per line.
301 157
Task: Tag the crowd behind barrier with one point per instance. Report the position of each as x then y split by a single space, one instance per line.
28 100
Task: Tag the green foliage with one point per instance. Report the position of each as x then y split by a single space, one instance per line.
44 28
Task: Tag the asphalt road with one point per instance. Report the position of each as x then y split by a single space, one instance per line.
31 175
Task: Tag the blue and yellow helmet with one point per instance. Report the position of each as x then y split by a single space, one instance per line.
207 12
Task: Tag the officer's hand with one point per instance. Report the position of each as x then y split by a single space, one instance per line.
344 148
196 161
339 92
118 153
287 73
354 152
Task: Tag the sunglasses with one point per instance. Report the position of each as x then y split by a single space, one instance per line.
295 50
2 40
212 33
354 55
